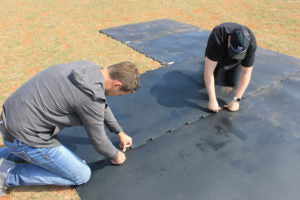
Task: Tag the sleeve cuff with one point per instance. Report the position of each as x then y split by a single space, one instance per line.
113 155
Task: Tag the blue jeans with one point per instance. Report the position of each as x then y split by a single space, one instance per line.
46 166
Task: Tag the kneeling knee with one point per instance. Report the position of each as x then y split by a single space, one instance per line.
84 176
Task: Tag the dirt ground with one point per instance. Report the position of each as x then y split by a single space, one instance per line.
37 34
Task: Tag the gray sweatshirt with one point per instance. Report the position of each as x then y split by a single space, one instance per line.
62 96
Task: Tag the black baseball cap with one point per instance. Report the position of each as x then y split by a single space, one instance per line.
239 43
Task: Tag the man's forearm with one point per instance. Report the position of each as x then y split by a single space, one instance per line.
100 141
210 86
209 78
111 122
244 81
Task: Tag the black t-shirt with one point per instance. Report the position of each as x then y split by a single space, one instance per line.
217 46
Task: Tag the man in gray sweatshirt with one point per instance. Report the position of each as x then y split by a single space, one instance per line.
61 96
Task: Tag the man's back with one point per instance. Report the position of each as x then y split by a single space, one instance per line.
45 104
217 45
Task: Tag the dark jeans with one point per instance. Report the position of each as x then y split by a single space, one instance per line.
227 77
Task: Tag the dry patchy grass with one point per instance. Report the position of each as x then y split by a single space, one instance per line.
37 34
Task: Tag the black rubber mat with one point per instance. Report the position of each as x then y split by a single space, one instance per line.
175 48
141 32
166 40
251 154
271 67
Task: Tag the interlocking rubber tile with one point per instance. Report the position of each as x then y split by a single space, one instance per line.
175 48
137 33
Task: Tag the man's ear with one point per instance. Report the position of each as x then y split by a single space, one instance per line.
117 83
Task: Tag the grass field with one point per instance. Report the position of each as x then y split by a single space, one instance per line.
35 34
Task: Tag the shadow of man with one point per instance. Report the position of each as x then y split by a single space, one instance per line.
177 91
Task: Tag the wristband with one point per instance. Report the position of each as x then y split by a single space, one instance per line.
236 99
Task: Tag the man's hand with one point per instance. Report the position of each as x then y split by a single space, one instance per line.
233 106
125 141
213 106
119 159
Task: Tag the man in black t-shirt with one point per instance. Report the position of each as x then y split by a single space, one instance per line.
230 49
